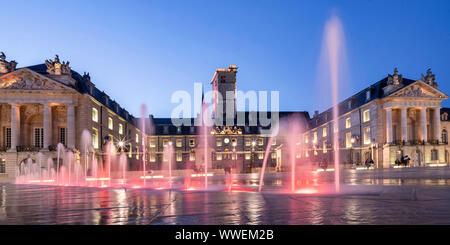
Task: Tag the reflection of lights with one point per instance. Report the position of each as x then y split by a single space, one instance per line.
200 175
306 191
226 140
152 177
352 140
322 170
437 165
94 179
253 143
120 143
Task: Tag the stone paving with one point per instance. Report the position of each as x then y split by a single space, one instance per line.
384 196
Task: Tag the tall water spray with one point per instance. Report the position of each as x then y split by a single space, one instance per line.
334 46
143 113
86 143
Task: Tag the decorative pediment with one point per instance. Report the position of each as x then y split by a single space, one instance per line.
25 79
419 90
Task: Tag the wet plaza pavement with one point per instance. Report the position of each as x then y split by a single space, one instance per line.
382 196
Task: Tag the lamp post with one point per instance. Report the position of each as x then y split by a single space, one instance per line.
352 140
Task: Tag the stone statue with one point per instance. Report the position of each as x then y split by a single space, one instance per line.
6 66
86 77
429 78
395 79
58 68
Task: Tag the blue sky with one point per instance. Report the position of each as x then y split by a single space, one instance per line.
143 51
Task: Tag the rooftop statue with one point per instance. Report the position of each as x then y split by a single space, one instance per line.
6 66
395 79
429 78
58 68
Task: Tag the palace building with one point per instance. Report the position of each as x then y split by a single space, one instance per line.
49 103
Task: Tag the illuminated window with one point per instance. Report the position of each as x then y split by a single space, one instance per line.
247 156
164 142
137 138
94 115
324 146
165 157
110 123
274 155
260 155
306 139
218 156
367 135
120 128
130 150
179 157
366 116
348 123
152 157
274 141
192 142
95 138
248 142
152 143
192 156
260 141
298 155
324 132
179 143
348 140
218 142
315 137
137 153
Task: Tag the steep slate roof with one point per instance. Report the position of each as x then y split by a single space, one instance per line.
357 100
82 86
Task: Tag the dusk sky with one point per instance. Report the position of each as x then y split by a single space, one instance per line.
143 51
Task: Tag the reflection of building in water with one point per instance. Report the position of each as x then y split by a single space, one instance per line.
45 104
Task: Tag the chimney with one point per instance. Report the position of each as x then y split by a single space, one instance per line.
316 114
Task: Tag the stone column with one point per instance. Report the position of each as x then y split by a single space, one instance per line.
71 126
437 124
404 123
15 127
389 135
423 124
47 126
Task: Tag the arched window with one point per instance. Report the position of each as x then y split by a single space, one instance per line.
444 136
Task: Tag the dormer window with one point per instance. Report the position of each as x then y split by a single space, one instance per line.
349 104
444 116
368 94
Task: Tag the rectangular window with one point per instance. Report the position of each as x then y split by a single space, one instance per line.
368 95
110 123
192 142
324 132
315 137
137 153
62 136
179 156
324 146
274 141
94 115
152 157
95 138
434 155
164 142
247 156
2 166
219 156
219 142
152 143
348 140
165 157
348 123
274 155
120 128
260 141
130 150
367 135
306 139
137 138
7 136
179 143
39 137
248 142
260 156
192 156
366 115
